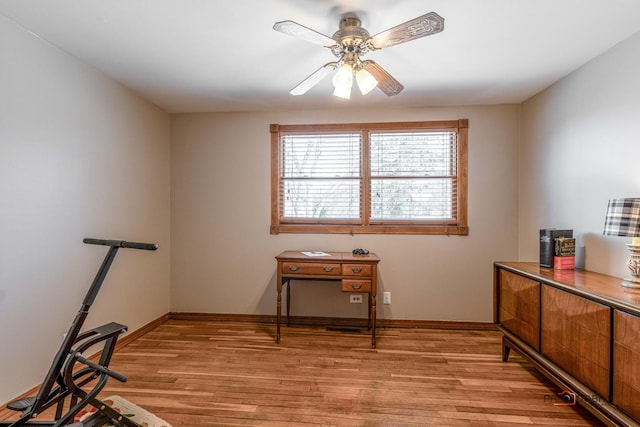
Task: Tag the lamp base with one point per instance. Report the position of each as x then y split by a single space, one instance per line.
629 283
634 265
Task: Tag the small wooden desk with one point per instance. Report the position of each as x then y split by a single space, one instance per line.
357 273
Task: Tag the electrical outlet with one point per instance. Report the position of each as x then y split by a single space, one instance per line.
386 298
355 299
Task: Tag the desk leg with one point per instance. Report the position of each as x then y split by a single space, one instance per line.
279 304
288 301
372 318
373 304
369 313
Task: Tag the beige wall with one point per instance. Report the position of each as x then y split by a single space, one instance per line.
580 146
80 156
223 254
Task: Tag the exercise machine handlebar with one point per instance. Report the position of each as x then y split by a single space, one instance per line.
100 368
121 244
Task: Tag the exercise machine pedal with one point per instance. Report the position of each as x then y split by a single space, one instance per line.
21 405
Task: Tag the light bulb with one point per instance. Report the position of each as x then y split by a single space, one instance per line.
366 82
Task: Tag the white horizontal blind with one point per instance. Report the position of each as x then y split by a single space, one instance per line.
320 176
413 176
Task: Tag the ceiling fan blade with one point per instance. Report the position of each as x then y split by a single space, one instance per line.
300 31
386 83
425 25
313 79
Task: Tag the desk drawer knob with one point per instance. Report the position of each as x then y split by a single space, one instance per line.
327 268
356 286
356 269
294 268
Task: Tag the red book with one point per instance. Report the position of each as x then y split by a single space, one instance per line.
564 262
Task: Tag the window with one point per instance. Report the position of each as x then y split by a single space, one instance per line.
403 178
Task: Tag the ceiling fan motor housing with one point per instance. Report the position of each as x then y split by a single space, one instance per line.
350 32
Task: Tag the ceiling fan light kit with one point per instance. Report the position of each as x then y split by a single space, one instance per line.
350 43
343 78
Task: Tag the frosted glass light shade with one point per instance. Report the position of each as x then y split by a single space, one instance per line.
366 82
342 92
342 81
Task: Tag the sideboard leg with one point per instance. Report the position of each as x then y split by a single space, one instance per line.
506 349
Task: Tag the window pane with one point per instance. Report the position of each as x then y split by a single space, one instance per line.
322 156
426 160
321 198
413 154
411 199
320 176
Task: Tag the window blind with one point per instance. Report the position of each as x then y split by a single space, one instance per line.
413 175
320 176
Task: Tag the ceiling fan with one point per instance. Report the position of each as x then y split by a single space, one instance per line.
350 43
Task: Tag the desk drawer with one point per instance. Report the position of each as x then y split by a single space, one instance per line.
359 270
355 285
311 269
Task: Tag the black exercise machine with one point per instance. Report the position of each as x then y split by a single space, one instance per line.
70 371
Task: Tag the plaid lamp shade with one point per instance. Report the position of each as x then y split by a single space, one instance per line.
623 218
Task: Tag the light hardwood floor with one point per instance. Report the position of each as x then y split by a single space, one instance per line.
217 373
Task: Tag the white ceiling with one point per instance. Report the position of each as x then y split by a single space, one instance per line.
223 55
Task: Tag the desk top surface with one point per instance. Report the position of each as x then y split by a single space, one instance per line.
332 257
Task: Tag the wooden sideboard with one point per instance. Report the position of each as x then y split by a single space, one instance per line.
581 329
357 273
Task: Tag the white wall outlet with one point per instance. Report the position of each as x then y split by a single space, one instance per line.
355 299
386 298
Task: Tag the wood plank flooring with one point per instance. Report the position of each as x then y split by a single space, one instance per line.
217 373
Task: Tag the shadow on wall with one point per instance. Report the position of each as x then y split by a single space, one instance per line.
267 302
598 253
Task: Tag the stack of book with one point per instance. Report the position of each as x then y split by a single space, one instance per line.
564 257
548 238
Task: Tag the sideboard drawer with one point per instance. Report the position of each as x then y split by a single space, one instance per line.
626 353
519 306
360 270
354 285
576 335
310 268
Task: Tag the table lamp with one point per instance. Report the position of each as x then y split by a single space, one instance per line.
623 219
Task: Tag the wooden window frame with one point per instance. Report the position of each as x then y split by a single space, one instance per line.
315 226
